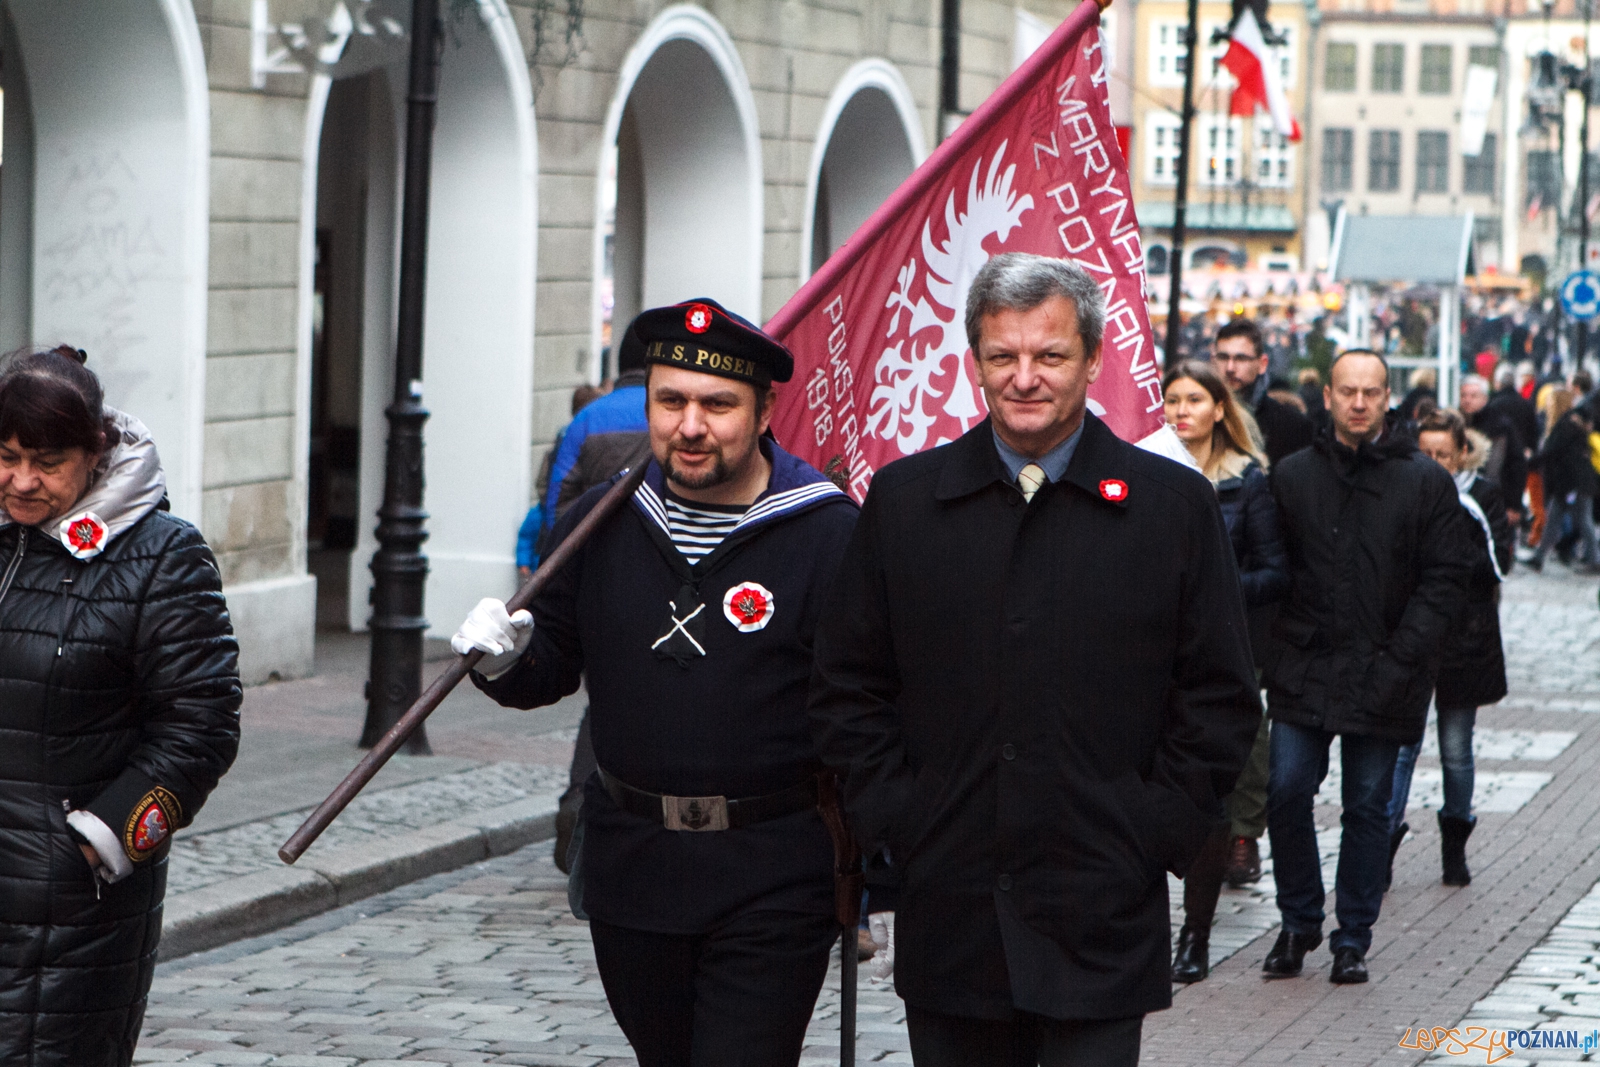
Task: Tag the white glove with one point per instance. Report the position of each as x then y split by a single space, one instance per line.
880 925
502 638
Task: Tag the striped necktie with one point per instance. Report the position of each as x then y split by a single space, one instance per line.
1029 479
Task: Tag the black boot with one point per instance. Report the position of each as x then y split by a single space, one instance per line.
1453 834
1288 954
1395 838
1191 963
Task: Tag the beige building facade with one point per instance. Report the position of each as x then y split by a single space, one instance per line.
204 194
1246 195
1386 134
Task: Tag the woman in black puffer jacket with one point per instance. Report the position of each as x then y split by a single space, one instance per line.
1225 444
119 705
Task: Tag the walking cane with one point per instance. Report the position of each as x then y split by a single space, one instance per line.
390 743
847 882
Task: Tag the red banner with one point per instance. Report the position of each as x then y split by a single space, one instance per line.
882 368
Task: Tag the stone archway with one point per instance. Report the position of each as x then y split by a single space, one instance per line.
869 142
679 206
104 206
478 328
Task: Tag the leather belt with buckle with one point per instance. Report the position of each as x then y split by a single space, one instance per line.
709 813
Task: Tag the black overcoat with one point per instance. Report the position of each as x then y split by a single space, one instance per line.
1037 708
1379 562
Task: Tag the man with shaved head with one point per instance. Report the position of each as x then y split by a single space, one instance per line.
1379 558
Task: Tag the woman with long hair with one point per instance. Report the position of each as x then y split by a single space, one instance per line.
1222 437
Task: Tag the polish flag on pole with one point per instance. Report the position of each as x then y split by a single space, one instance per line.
882 368
1255 68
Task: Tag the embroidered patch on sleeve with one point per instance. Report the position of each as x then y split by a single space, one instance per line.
150 824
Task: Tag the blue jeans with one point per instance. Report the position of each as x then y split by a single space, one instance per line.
1455 755
1581 512
1299 763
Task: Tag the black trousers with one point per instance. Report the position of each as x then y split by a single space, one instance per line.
1023 1040
739 996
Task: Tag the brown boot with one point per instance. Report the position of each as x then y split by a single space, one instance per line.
1244 862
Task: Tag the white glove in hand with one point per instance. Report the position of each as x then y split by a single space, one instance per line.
502 638
880 926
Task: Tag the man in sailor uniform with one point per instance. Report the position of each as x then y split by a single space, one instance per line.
702 863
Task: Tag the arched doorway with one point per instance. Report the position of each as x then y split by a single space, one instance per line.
478 330
869 142
679 210
104 206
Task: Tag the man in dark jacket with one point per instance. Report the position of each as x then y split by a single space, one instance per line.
1034 679
1242 358
1507 465
702 863
1377 557
1519 410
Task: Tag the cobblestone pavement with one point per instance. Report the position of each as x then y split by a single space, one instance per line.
487 965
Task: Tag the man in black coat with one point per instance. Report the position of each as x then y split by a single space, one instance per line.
1240 355
1507 465
1034 679
1379 569
702 863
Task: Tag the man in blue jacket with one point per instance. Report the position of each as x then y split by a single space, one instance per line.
706 871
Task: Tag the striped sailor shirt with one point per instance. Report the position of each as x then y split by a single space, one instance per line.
697 529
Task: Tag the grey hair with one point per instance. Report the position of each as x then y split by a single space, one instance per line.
1478 380
1020 281
1505 376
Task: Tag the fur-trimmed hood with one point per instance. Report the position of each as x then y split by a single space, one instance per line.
127 486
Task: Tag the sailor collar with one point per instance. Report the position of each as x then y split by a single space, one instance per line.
794 486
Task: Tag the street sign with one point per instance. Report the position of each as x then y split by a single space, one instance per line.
1580 295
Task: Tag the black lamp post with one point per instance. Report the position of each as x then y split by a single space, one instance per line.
399 569
1180 200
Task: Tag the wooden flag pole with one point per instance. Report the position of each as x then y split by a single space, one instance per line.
452 675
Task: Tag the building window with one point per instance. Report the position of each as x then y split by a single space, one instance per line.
1275 158
1161 148
1484 55
1383 161
1544 179
1478 173
1433 161
1285 54
1221 138
1434 76
1339 74
1338 159
1388 68
1168 53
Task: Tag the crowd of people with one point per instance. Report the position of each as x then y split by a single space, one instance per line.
1036 670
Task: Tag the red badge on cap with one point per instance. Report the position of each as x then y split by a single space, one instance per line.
698 320
1114 490
748 606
